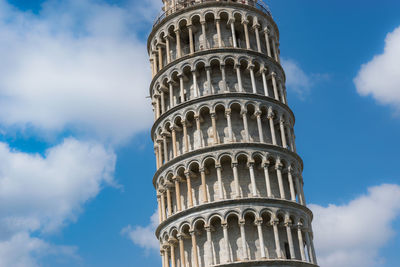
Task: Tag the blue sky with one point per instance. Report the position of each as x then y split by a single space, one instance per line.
76 158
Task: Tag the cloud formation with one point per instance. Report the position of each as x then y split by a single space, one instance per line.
380 78
75 66
40 194
351 235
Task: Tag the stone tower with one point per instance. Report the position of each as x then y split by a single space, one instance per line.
228 180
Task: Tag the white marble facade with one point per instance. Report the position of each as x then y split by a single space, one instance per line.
228 180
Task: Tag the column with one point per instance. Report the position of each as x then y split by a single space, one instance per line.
209 87
164 263
157 105
160 219
309 251
239 77
174 149
225 230
250 165
171 94
190 27
232 22
312 246
228 119
163 216
177 179
297 184
152 67
164 137
267 179
169 202
301 242
219 176
276 96
197 118
275 223
160 151
178 43
195 87
288 130
162 101
203 31
259 125
203 184
181 250
267 42
256 27
209 245
194 249
271 126
258 223
214 127
168 49
182 89
223 75
278 168
302 189
157 156
253 81
246 33
242 223
282 93
185 136
217 23
160 58
288 225
236 179
243 113
189 189
265 84
283 135
274 49
172 248
291 185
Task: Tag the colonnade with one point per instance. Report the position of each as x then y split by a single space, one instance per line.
237 123
228 179
216 77
207 30
249 238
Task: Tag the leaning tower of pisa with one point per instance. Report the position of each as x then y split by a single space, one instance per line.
228 180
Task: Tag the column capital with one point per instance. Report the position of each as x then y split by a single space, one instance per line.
250 164
258 221
242 222
274 222
224 225
245 22
271 113
213 114
218 166
228 112
257 113
278 165
234 164
256 25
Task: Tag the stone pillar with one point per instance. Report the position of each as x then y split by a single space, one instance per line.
203 184
163 215
181 87
189 189
158 113
164 263
250 165
160 218
297 184
226 239
259 125
267 42
177 180
214 127
267 179
169 202
162 101
191 44
283 135
173 256
181 250
168 49
308 243
209 245
195 87
209 87
256 27
194 249
171 94
198 128
282 93
223 75
276 96
236 179
239 77
301 242
203 31
232 23
291 184
165 146
276 55
178 43
228 119
242 223
271 125
289 133
288 225
278 168
258 223
275 223
218 26
174 149
265 84
253 81
185 136
243 113
160 57
246 33
220 185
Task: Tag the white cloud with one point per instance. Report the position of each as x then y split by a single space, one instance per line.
380 77
77 65
40 194
144 236
296 79
351 235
